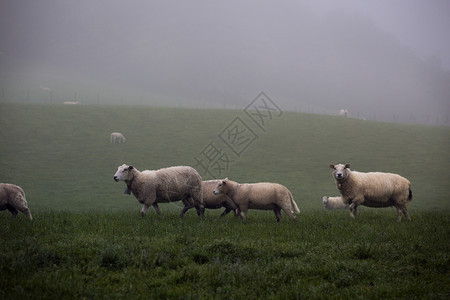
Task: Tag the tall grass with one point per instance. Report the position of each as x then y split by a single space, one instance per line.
319 255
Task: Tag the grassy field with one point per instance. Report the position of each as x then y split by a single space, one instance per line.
319 255
87 240
62 157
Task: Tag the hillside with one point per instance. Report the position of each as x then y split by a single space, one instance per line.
62 157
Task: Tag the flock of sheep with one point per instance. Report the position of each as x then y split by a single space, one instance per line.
182 183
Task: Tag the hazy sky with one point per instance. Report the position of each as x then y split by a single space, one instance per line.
424 25
330 53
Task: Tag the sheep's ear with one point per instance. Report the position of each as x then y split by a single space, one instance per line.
225 180
130 168
332 166
347 166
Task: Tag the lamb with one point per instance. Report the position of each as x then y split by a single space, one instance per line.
117 137
12 198
263 195
213 201
162 186
374 189
334 203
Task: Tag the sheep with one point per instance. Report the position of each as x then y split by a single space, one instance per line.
213 201
334 203
343 112
373 189
117 137
263 195
12 198
71 102
162 186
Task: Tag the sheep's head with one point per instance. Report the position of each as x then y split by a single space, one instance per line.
123 173
325 200
221 187
341 171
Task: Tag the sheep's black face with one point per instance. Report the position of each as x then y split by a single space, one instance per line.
340 171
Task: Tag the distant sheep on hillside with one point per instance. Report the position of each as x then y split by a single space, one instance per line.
71 102
343 113
117 137
162 186
12 198
374 189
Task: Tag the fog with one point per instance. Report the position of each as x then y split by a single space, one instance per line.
383 60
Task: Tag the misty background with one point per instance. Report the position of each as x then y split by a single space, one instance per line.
381 60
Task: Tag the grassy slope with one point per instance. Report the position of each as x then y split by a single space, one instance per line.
62 157
99 248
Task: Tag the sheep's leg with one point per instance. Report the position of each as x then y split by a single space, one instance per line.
144 210
188 204
184 210
156 207
353 211
277 211
243 212
405 212
230 204
12 210
201 210
399 214
225 212
186 207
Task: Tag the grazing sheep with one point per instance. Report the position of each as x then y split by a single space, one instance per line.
162 186
263 195
334 203
374 189
12 198
117 137
343 113
213 201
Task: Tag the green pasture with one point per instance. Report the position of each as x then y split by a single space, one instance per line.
320 255
62 157
87 240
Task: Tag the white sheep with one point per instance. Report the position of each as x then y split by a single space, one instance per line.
213 201
343 112
12 198
373 189
162 186
71 102
263 195
334 203
117 137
